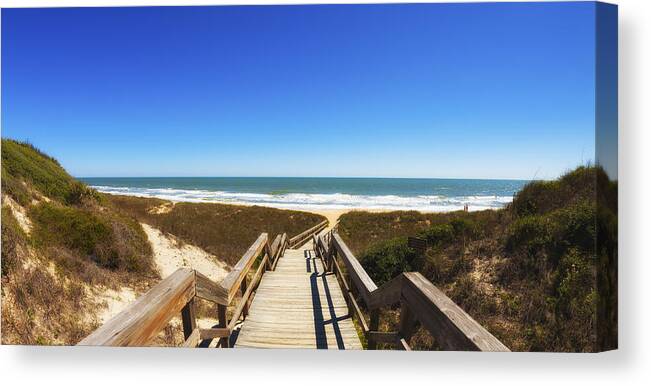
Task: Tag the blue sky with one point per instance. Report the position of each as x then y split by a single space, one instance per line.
431 90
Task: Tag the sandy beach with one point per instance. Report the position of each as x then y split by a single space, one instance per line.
331 214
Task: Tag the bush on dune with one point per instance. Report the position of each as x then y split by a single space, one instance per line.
531 273
75 241
25 169
537 242
388 259
540 197
110 242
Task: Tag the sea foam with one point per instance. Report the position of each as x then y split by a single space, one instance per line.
428 203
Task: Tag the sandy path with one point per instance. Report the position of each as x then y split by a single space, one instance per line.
169 256
113 301
333 214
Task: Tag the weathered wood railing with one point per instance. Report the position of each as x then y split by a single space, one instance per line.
148 315
420 301
143 320
305 236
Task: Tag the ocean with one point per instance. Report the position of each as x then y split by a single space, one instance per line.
423 194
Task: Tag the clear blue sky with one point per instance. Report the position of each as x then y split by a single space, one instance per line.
440 90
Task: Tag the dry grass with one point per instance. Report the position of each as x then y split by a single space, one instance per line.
75 244
225 231
527 273
38 306
360 229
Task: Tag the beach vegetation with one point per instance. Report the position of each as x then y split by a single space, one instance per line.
388 259
68 244
110 241
28 173
535 274
226 231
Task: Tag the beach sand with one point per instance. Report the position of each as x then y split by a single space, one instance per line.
333 214
171 255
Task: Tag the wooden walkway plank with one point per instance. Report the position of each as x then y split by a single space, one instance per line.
299 305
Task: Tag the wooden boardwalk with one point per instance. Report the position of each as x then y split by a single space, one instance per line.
288 300
299 305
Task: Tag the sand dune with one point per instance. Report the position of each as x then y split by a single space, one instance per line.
170 255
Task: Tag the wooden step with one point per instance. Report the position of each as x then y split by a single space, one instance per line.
299 305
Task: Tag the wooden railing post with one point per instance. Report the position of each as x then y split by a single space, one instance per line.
407 322
188 318
374 325
140 322
245 310
223 322
450 326
332 255
269 252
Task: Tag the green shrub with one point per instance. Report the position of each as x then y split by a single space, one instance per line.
435 267
389 259
531 234
557 289
464 227
576 227
80 193
23 164
575 288
437 234
576 302
110 241
74 228
539 197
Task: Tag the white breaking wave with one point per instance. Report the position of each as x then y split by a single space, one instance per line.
425 203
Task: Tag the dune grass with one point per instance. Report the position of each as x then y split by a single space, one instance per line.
76 242
37 306
81 239
226 231
26 170
533 273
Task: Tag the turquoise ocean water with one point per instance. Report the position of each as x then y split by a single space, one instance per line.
425 194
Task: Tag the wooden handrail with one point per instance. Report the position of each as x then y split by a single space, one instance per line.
281 250
274 248
141 321
452 327
232 281
304 236
358 275
243 305
420 301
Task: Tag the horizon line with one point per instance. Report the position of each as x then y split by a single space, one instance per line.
333 177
